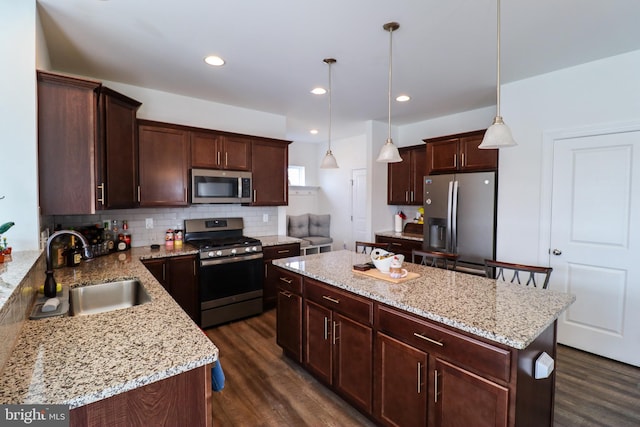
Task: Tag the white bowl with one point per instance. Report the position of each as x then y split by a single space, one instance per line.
382 259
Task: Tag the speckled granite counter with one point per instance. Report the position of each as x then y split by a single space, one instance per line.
509 314
79 360
277 240
407 236
13 270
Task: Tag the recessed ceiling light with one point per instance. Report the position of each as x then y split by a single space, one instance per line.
313 131
216 61
403 98
318 91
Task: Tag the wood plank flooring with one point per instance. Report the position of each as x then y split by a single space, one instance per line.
264 388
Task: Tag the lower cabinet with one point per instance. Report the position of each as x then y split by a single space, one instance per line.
289 312
271 277
179 276
339 347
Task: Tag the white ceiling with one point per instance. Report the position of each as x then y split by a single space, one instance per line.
443 54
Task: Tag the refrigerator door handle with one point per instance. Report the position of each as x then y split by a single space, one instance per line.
449 216
454 219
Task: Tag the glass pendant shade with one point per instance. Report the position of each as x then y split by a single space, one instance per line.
498 135
389 153
329 161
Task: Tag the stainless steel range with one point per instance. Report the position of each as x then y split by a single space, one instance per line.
231 270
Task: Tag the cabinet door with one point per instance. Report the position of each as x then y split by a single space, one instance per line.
399 179
318 333
269 172
353 356
271 274
67 138
474 158
163 166
462 398
442 156
401 383
289 324
157 267
205 149
118 188
418 172
236 153
183 284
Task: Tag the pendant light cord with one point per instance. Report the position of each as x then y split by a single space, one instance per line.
498 64
330 62
390 70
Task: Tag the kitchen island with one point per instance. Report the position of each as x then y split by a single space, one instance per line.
442 348
149 361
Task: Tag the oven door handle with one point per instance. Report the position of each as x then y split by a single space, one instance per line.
228 260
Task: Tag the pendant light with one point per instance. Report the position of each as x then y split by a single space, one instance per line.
498 135
329 161
389 152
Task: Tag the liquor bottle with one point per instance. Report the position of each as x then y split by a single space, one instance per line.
74 256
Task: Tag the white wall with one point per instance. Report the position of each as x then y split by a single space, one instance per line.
601 92
18 117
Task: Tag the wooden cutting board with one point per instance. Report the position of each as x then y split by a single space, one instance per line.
377 274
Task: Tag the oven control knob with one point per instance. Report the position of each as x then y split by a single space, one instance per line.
210 254
218 253
233 251
247 249
254 249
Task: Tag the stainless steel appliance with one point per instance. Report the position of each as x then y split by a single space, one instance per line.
460 217
220 186
231 269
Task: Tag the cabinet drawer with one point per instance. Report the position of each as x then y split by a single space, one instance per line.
288 281
350 305
475 355
281 251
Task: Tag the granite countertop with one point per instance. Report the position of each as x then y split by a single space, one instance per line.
79 360
277 240
13 270
509 314
402 235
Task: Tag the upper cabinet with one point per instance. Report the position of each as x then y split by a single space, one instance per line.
269 172
220 151
164 164
459 153
86 146
404 185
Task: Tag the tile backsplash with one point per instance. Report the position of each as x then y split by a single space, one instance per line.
258 221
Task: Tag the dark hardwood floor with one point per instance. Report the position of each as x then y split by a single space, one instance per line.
264 388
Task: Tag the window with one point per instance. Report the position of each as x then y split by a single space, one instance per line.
296 175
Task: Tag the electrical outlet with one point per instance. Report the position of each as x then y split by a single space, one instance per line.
265 217
148 223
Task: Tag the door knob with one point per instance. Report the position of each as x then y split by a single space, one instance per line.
556 252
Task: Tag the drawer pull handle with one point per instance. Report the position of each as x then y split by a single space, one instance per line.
284 251
286 294
336 301
285 280
428 339
396 244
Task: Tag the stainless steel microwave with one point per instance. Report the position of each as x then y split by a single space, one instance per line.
220 186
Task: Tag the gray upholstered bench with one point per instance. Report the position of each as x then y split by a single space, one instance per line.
313 230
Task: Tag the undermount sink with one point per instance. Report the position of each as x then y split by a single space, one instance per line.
105 297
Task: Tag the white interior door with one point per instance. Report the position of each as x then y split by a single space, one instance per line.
595 242
359 221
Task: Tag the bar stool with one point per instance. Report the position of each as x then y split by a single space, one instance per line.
444 260
367 247
501 270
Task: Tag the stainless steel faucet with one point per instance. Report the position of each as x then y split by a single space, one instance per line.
50 282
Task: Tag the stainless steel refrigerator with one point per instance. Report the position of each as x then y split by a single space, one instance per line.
460 217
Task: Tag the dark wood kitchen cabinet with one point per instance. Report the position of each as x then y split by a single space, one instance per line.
164 163
338 339
289 313
220 151
404 179
87 146
271 277
269 171
179 276
400 246
459 153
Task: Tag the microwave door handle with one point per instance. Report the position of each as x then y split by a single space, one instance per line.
239 187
